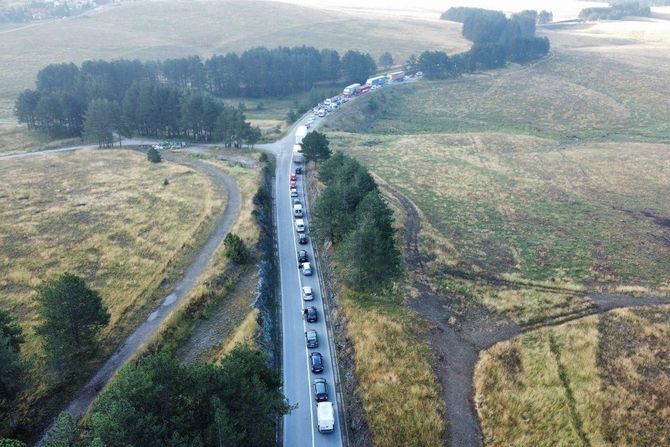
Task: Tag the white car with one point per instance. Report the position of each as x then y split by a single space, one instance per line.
307 293
307 269
294 192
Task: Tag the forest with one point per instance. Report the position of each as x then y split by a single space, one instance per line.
176 97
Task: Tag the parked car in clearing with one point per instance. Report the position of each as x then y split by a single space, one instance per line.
302 239
307 293
310 314
316 362
302 256
320 390
311 339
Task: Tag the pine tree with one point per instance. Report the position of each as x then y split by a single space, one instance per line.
72 314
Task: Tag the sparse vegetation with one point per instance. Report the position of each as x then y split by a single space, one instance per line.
598 381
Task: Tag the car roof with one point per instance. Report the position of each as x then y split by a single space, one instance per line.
304 288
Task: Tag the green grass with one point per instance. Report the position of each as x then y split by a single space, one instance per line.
150 30
524 206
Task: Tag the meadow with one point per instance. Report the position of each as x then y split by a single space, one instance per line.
537 186
151 30
596 381
127 226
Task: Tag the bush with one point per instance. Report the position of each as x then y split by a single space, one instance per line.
263 158
235 250
153 156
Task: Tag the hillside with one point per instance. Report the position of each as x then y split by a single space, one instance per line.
160 29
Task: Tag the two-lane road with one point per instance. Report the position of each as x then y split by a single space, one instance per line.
300 427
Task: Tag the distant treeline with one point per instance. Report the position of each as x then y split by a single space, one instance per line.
496 39
175 97
618 10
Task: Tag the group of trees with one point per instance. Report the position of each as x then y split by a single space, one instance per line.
616 11
351 213
71 102
157 401
497 39
177 97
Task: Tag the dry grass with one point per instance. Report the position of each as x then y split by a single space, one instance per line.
17 138
244 334
160 29
105 215
400 393
600 380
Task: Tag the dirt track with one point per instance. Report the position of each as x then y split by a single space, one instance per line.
457 337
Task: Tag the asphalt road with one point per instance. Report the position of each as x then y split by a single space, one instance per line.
299 428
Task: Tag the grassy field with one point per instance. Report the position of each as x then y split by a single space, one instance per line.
105 215
161 29
529 207
598 381
537 185
400 393
17 138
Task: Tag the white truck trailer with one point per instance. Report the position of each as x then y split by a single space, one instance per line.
300 133
325 417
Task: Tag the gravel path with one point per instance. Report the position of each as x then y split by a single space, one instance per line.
148 329
457 338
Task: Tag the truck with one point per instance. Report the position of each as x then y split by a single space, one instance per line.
300 133
325 417
297 149
377 80
396 76
350 90
363 90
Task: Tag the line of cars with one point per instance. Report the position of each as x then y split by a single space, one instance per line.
325 409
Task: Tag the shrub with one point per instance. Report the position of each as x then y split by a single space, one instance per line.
153 156
235 250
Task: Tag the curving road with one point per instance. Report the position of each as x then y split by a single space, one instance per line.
299 427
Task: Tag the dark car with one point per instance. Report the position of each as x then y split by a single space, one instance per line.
302 256
316 361
320 390
310 314
298 170
311 339
302 239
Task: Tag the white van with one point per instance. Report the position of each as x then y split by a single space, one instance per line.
297 210
325 417
300 225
